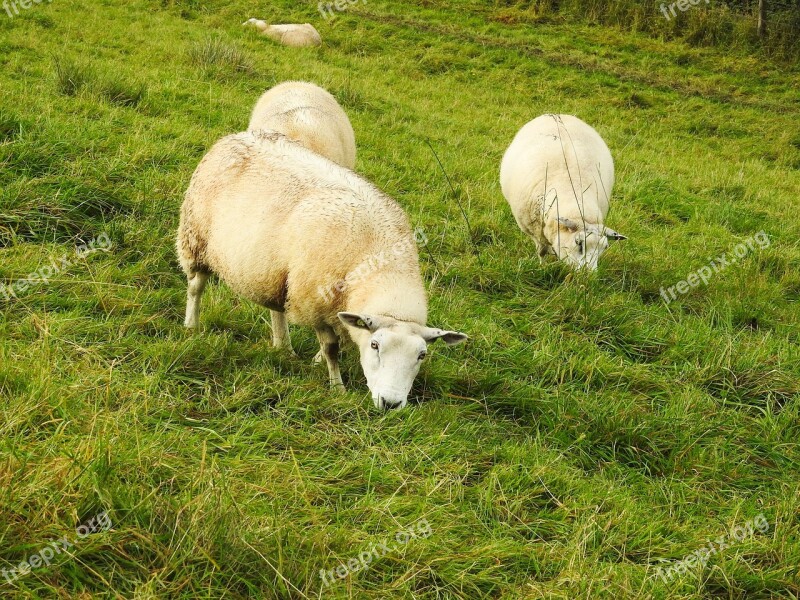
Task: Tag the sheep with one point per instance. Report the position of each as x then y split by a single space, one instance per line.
294 34
280 224
557 176
307 114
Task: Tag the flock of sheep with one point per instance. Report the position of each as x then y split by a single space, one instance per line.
278 214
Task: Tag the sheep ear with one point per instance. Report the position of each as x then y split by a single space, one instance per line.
569 224
358 321
613 235
451 338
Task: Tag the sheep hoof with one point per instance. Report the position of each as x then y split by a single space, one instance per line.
547 258
337 386
286 347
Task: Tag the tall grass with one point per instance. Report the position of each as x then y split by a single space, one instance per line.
73 76
713 24
220 58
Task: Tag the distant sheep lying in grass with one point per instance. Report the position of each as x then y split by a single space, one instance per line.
294 34
306 113
557 175
279 224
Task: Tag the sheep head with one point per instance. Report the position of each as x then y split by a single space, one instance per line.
391 353
580 245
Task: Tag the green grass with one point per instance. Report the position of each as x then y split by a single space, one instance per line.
585 435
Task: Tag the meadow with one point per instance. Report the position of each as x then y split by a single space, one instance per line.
587 437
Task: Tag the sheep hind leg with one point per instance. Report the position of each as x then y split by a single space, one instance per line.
329 347
280 331
197 283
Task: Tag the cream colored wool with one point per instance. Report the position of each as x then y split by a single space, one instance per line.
310 115
291 34
557 176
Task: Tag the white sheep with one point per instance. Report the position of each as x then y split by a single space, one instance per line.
291 34
557 175
307 114
292 231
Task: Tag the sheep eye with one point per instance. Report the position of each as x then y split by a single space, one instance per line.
422 355
374 345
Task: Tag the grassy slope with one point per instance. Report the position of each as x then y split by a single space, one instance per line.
585 433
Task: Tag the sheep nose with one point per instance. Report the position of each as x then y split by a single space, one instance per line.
388 405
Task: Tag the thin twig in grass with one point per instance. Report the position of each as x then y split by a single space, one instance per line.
452 189
433 258
578 200
458 201
108 283
277 572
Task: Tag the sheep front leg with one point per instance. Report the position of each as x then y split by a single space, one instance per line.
329 347
544 251
197 283
280 331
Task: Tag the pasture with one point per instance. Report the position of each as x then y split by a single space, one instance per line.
592 433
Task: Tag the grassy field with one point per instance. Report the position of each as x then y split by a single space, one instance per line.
588 434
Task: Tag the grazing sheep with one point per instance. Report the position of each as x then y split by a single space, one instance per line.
314 243
557 175
307 114
293 34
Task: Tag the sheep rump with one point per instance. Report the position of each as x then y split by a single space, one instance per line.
308 114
